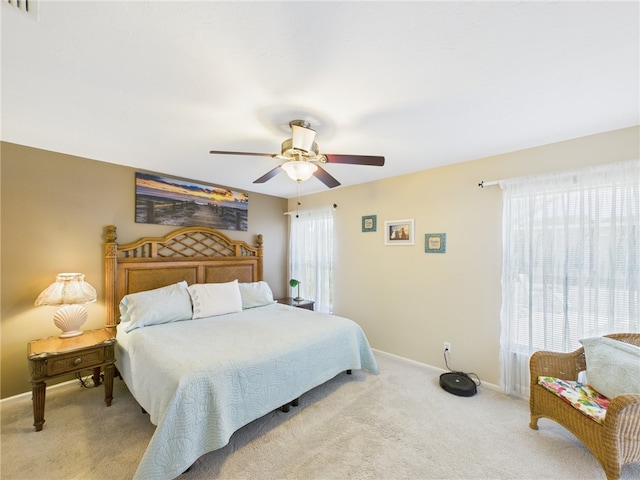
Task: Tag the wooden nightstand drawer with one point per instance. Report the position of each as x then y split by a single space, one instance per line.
74 362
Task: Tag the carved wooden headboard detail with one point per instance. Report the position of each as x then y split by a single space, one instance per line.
194 254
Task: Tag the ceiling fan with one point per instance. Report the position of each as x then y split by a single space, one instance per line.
301 157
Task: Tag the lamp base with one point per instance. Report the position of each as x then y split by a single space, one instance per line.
298 299
69 319
74 333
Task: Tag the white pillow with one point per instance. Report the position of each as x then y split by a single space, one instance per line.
153 307
613 367
210 299
255 294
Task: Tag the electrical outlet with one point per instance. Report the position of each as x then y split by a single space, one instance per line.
447 347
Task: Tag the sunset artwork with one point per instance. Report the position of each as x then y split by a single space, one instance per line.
164 200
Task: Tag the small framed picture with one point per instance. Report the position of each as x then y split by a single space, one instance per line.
369 223
435 243
399 232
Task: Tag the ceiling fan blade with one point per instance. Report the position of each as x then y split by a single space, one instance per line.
324 176
269 175
355 159
222 152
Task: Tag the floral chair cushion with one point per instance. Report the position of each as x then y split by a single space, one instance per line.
583 397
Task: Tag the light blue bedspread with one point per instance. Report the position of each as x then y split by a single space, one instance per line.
201 380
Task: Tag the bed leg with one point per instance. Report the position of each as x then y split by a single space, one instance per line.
295 402
285 407
349 372
143 410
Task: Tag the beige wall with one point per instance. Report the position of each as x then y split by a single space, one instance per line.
410 302
54 210
55 206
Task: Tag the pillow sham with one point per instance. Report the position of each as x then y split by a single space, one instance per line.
153 307
613 367
211 299
255 294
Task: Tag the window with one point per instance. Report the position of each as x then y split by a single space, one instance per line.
311 255
570 263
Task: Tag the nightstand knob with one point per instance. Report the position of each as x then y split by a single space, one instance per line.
77 361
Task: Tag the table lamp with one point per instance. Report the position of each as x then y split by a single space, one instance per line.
69 290
296 283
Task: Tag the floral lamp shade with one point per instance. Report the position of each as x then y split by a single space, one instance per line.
69 291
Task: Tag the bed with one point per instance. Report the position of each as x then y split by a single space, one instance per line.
238 356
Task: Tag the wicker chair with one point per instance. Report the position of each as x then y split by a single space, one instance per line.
615 443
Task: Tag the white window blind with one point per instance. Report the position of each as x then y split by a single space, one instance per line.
571 260
311 255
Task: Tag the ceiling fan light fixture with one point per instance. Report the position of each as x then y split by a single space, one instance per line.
302 137
300 155
299 170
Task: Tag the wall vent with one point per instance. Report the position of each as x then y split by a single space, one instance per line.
26 6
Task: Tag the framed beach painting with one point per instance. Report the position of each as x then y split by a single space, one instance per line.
164 200
399 232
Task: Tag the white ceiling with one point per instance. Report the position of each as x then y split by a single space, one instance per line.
157 85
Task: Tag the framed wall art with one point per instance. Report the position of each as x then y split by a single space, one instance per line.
163 200
369 223
399 232
435 243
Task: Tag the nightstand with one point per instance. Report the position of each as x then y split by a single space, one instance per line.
54 356
306 304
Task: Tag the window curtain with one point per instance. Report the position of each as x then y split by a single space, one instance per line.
570 263
311 256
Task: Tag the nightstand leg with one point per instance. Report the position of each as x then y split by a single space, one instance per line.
38 395
109 371
96 377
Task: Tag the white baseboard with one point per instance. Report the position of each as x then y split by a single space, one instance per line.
489 386
22 396
438 370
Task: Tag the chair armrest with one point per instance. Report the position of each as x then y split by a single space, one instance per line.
627 406
623 417
556 364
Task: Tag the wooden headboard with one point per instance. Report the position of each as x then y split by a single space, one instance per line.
194 254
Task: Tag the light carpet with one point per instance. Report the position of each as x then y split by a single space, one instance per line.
397 425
